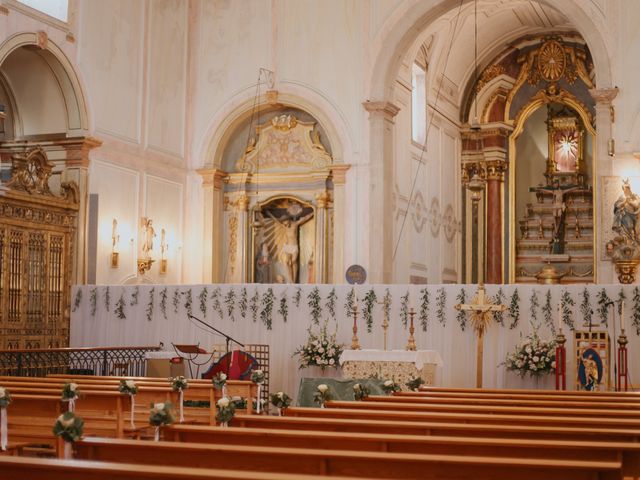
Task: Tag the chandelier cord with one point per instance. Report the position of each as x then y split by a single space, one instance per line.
426 139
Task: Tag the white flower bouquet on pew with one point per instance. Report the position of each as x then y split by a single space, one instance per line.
5 400
321 350
226 411
161 414
532 356
70 428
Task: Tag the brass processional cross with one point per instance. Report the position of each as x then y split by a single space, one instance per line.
481 308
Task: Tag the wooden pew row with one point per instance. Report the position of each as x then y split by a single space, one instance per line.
386 403
433 445
517 391
30 418
345 463
46 469
363 412
484 430
524 396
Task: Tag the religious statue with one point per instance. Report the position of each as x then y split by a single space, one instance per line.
149 233
590 373
290 251
626 210
263 265
559 208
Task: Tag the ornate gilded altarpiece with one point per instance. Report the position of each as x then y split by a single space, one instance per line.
37 231
279 208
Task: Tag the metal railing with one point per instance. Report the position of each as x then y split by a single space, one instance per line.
126 361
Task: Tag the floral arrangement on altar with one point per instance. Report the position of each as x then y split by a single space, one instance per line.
532 356
321 350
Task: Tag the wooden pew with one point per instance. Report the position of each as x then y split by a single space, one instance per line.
346 463
386 403
30 418
486 430
523 397
360 412
501 392
46 469
507 447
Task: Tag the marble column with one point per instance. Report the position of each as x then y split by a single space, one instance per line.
473 168
381 181
320 263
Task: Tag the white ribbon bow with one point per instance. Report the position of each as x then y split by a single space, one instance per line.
4 433
133 407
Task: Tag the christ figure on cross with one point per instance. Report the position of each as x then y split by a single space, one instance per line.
481 308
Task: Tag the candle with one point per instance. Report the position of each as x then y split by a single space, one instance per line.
560 316
622 317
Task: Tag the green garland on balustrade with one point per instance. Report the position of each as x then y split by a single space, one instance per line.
621 298
567 313
230 303
242 303
369 301
135 296
404 309
585 307
93 300
461 316
424 309
253 305
119 310
441 303
331 303
175 300
514 309
150 304
315 308
77 300
202 297
547 311
284 307
350 302
297 297
534 305
266 314
107 298
216 306
163 302
188 302
603 306
635 318
499 299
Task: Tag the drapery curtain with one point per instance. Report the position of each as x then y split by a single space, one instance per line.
145 323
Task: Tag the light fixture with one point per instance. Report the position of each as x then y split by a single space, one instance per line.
148 233
611 147
164 247
115 240
475 123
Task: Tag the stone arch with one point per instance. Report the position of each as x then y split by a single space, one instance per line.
70 86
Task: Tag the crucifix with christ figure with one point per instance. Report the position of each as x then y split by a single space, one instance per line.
482 309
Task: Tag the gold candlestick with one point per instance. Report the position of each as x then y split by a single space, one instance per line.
386 304
355 343
411 343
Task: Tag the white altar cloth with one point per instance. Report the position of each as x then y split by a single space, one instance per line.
419 358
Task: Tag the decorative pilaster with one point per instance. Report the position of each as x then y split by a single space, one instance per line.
339 178
382 180
213 187
322 204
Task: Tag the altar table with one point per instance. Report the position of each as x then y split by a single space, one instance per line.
397 365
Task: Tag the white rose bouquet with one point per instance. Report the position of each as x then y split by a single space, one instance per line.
321 350
219 380
70 393
5 400
415 383
390 387
128 386
532 356
161 414
281 401
70 428
257 377
180 384
322 394
226 411
360 392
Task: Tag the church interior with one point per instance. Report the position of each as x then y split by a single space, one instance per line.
344 238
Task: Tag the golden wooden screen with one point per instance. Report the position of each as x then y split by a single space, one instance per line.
37 230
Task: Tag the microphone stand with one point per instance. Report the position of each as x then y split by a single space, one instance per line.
228 338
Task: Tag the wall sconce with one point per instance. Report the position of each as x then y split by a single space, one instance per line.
115 239
611 147
164 247
148 232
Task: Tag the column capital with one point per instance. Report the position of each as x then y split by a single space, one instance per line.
212 177
383 108
323 199
496 169
78 153
604 96
339 173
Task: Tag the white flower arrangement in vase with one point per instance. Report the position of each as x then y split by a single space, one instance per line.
532 356
321 350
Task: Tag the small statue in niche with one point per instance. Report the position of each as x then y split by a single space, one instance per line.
290 251
149 233
626 210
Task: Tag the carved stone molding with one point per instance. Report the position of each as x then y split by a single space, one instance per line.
386 109
42 39
212 177
339 173
604 95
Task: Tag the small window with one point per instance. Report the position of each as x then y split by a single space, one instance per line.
418 104
57 9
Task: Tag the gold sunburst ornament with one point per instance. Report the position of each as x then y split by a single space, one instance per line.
551 61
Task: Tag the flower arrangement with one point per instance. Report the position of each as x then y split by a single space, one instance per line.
239 402
322 394
5 397
180 384
532 356
161 414
219 380
257 376
69 427
414 383
70 393
321 350
389 387
281 401
128 386
360 392
226 411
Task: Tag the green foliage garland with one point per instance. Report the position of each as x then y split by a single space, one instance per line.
107 298
215 302
404 309
93 300
534 305
461 316
188 302
547 311
369 301
441 303
499 299
635 319
315 308
386 305
175 300
119 311
230 303
567 302
424 309
284 307
585 307
514 309
297 297
266 314
331 303
135 296
603 306
621 298
253 305
152 294
202 297
77 300
163 302
350 303
242 303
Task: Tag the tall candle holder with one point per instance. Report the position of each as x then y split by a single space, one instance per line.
411 342
622 375
561 361
355 343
